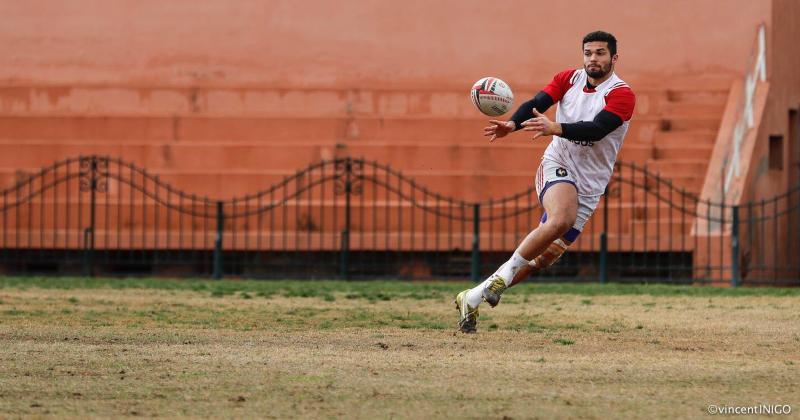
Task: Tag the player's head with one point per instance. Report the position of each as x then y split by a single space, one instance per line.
599 53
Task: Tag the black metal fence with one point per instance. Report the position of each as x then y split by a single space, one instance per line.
352 218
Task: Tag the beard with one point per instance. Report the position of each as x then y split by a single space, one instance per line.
597 73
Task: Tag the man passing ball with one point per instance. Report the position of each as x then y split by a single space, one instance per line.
594 111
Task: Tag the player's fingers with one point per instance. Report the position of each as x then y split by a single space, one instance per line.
496 122
536 112
537 135
491 139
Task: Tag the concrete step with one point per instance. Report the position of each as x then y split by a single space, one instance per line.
692 110
690 123
266 101
664 151
684 137
673 167
220 156
405 128
705 95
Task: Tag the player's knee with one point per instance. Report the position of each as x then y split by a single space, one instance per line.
561 225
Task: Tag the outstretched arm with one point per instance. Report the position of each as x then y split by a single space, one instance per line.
603 123
542 101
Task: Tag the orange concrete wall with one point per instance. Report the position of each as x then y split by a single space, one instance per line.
784 78
369 42
772 102
784 94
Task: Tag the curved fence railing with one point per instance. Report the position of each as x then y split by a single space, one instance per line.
351 217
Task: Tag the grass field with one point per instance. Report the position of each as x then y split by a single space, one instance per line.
145 347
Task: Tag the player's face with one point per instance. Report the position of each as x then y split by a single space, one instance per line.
597 59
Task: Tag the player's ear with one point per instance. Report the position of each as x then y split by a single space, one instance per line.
614 58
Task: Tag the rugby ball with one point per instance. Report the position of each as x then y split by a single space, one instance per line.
492 96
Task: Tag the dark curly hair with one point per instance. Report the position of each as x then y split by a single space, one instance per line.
603 37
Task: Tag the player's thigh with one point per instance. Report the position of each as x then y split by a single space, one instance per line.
560 201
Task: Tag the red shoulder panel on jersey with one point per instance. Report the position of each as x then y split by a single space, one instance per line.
559 85
620 100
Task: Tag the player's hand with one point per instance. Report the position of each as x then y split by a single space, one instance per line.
497 129
540 125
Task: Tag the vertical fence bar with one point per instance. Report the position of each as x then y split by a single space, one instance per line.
3 250
620 209
144 217
106 209
399 206
218 241
735 275
708 241
775 224
368 256
646 217
633 218
604 241
658 224
42 226
154 262
88 233
762 243
345 246
670 212
55 211
787 268
476 242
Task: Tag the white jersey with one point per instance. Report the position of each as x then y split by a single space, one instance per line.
591 163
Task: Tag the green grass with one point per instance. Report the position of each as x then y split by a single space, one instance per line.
382 290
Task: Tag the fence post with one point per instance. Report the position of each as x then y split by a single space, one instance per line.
89 182
476 242
604 241
218 242
735 275
88 269
345 253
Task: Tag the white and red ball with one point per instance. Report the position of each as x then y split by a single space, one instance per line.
492 96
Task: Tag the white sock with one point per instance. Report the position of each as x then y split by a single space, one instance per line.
507 271
475 295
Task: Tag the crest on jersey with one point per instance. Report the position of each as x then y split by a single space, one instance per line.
561 172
